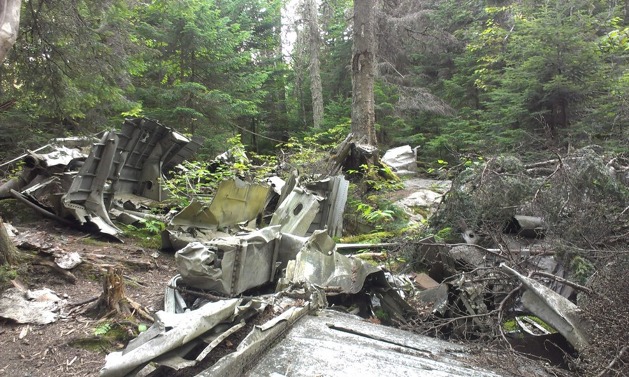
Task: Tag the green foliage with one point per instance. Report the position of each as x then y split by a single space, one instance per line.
382 315
147 237
195 179
374 237
109 333
510 325
377 178
377 213
204 67
153 226
7 274
581 269
440 169
312 152
446 235
102 329
504 76
372 215
529 76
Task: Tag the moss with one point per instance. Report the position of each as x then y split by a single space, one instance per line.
369 238
382 315
422 211
107 337
510 325
546 326
7 273
94 344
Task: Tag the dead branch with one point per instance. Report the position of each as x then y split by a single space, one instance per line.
206 295
614 361
562 281
501 310
69 276
559 166
97 259
549 162
83 302
540 164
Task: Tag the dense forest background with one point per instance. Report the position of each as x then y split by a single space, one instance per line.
455 77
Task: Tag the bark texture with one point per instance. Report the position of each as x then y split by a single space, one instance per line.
363 71
113 301
314 44
8 251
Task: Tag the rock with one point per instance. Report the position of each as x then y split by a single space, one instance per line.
425 282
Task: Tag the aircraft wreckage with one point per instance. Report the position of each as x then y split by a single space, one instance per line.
237 271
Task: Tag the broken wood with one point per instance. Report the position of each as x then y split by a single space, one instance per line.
562 281
113 301
340 154
69 276
613 362
100 259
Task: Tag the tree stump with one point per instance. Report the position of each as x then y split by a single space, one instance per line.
113 301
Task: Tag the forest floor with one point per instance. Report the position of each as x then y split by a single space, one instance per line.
70 346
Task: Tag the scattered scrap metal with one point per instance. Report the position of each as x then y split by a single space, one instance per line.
231 271
78 181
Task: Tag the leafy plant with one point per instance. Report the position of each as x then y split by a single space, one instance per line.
146 237
581 268
153 226
201 179
445 235
372 215
102 329
379 178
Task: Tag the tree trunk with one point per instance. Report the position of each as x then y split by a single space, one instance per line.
8 252
299 68
10 18
363 71
314 43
